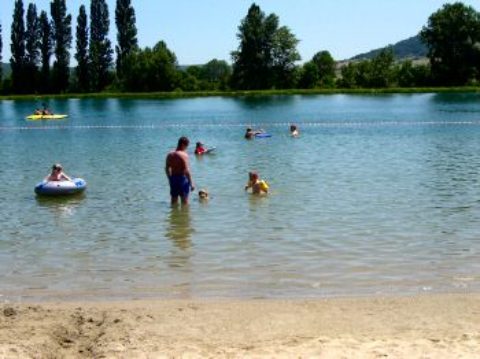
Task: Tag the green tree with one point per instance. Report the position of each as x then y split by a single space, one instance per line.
100 51
1 64
309 76
284 57
380 69
214 75
217 73
32 49
150 69
45 44
17 61
62 35
349 76
249 64
404 74
82 50
452 36
266 54
127 32
326 68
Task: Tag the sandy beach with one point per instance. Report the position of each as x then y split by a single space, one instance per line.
430 326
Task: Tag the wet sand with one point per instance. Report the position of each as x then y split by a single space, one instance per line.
430 326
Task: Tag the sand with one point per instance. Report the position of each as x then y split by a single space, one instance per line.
433 326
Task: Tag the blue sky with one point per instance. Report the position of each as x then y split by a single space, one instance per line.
200 30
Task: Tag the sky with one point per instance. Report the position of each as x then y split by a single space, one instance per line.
198 31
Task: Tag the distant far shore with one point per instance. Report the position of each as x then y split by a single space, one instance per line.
181 94
425 326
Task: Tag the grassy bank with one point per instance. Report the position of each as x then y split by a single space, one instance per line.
180 94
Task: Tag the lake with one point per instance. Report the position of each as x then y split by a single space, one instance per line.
379 195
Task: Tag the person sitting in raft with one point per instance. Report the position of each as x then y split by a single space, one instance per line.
250 133
257 185
294 130
57 174
199 149
38 112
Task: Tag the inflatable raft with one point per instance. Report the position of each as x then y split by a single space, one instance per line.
263 135
60 188
46 117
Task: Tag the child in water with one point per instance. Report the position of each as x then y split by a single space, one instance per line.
199 149
57 174
294 130
203 195
257 185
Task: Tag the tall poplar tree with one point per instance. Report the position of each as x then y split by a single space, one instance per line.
127 32
266 55
62 35
1 64
31 47
45 44
100 50
82 50
17 61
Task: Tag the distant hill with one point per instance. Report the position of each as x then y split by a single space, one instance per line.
411 48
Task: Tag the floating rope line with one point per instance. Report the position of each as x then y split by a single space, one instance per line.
226 125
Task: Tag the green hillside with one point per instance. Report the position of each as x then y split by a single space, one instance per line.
411 48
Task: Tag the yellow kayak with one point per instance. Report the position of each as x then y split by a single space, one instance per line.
46 117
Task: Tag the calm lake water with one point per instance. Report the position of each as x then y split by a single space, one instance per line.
379 195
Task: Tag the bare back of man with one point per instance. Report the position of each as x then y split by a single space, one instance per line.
177 170
177 161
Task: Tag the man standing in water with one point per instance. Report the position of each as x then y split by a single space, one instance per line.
177 169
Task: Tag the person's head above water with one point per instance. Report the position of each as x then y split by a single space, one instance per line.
253 176
203 194
183 143
57 167
293 127
199 144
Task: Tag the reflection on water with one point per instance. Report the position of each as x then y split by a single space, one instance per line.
254 102
179 227
61 205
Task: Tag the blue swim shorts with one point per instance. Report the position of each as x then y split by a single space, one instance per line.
179 186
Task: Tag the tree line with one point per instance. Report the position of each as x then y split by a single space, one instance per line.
266 57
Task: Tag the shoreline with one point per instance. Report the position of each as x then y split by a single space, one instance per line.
426 326
243 93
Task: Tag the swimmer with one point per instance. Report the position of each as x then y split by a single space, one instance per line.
203 195
200 150
257 185
294 130
250 133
